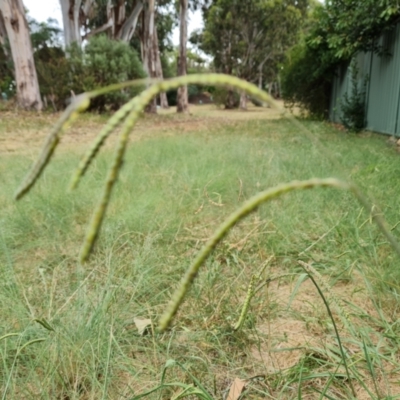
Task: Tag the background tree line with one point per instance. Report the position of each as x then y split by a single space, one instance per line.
121 42
289 47
108 41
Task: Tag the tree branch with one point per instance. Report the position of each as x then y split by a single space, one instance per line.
98 30
129 26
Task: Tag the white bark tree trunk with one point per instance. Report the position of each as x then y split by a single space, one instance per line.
243 101
164 101
182 100
28 94
119 26
129 26
149 49
163 96
70 10
3 35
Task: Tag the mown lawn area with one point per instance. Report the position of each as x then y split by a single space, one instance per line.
70 331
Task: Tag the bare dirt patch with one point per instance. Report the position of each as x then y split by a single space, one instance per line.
303 333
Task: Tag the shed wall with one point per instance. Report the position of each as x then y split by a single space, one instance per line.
383 89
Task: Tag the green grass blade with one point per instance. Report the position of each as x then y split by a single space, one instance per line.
9 335
110 126
336 331
80 104
299 281
247 208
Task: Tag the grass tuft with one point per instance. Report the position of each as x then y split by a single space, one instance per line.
69 332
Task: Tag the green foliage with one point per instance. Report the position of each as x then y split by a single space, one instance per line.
193 90
56 80
342 29
44 34
169 68
106 62
248 39
352 105
172 96
7 83
226 97
168 64
165 25
303 85
337 31
195 63
102 62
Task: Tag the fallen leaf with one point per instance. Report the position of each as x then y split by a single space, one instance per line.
236 389
142 324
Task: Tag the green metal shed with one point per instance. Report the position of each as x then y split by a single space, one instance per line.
383 88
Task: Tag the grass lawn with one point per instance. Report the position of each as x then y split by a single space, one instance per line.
70 331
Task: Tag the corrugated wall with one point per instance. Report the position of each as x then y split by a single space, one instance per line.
339 88
383 89
384 92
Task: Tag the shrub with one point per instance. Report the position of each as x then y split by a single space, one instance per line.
193 90
226 97
102 62
172 96
106 62
353 106
304 84
54 75
7 83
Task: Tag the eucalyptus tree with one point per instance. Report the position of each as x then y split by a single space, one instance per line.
119 20
149 48
182 98
71 13
85 18
243 36
13 23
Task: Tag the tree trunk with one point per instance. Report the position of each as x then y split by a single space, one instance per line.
28 94
163 96
129 26
118 25
70 10
182 100
164 101
3 35
149 50
243 101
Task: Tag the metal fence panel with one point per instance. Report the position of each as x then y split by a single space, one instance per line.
339 88
383 88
